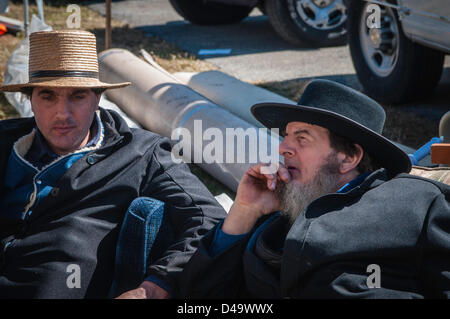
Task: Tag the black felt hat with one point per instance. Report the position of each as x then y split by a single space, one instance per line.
343 111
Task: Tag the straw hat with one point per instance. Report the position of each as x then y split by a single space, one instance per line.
63 59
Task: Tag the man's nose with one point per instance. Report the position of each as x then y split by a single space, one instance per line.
63 108
285 148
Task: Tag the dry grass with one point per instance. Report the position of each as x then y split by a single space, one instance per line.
167 55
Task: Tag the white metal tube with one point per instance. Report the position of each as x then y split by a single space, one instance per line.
238 96
230 93
163 105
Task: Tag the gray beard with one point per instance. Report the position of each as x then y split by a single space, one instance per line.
296 197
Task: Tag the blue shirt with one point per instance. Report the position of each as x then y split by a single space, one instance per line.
222 241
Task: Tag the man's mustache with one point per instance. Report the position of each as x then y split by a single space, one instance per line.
63 124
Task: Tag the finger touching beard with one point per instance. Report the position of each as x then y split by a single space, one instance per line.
295 196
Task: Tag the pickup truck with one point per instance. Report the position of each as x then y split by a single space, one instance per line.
398 47
318 22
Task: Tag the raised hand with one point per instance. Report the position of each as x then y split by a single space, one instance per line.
255 197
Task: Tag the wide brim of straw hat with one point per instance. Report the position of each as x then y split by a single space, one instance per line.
64 82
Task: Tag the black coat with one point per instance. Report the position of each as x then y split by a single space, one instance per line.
80 223
402 225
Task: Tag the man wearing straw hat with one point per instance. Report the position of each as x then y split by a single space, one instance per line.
68 175
340 219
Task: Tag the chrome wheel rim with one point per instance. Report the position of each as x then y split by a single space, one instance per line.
322 14
380 46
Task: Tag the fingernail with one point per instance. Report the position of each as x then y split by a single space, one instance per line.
272 185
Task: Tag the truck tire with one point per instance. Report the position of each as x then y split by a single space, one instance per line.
391 68
210 13
305 22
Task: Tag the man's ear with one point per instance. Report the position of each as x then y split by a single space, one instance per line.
350 162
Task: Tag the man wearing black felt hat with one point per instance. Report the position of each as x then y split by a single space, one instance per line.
340 218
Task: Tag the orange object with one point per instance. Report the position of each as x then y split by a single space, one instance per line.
440 153
3 29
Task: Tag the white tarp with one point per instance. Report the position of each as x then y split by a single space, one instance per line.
17 70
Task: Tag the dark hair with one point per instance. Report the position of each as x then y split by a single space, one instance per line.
28 91
346 146
98 91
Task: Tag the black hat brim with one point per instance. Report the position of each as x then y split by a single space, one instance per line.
385 152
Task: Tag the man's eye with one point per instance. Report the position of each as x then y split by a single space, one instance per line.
46 97
79 97
302 139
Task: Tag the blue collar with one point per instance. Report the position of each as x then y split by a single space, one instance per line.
353 183
40 153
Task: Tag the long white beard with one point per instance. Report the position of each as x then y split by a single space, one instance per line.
295 197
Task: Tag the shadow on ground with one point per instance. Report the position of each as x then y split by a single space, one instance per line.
253 35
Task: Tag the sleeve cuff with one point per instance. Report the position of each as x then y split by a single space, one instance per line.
160 283
222 241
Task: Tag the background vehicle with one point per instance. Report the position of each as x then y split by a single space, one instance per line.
319 22
401 59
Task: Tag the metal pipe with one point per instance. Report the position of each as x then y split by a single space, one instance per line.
40 5
230 93
164 106
108 25
26 17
